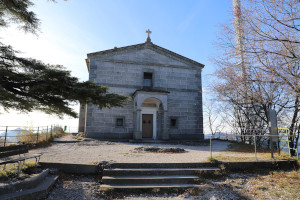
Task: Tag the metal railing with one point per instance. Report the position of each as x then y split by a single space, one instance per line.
285 140
283 136
28 135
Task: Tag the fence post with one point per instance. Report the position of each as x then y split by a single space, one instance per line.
210 147
255 147
5 136
37 135
51 133
47 134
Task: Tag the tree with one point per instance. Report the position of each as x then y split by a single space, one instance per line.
271 76
213 117
16 11
27 84
274 38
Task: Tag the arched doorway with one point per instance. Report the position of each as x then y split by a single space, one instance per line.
150 111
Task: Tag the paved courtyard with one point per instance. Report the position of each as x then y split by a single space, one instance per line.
94 151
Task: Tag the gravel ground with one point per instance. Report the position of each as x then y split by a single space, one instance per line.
235 186
94 151
75 187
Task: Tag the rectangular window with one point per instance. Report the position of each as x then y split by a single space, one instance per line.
120 122
173 122
147 79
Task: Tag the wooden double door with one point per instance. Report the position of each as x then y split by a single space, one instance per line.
147 125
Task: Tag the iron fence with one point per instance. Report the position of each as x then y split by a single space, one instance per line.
259 138
30 135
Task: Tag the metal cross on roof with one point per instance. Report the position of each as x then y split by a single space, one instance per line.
148 36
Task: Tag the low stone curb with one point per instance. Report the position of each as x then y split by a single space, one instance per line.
93 169
67 141
36 193
244 166
72 168
26 184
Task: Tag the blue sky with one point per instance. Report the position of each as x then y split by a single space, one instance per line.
71 29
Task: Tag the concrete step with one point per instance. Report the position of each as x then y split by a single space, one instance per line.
38 192
155 175
146 186
160 165
149 179
72 168
159 171
148 141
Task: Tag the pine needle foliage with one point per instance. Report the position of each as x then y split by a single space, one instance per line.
17 11
28 84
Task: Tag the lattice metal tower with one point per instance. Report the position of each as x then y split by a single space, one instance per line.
239 29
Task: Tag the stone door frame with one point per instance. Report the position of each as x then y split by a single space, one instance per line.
160 98
153 112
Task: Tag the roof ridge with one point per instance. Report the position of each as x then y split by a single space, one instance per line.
146 44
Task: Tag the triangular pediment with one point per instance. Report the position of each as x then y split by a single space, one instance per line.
145 53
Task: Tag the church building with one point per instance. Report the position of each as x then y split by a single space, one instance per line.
165 90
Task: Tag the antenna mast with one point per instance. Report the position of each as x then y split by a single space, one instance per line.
239 36
239 29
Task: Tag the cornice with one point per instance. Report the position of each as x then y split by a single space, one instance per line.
146 63
148 45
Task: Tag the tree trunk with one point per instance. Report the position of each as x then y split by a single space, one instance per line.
293 140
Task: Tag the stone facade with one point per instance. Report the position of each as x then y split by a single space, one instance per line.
173 99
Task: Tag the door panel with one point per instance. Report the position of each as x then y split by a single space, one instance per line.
147 125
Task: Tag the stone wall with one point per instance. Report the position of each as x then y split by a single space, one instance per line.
186 107
102 123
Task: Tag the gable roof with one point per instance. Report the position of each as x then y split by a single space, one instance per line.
147 44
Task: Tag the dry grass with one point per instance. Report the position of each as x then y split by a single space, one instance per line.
11 170
260 156
244 154
233 158
246 148
276 185
79 136
43 139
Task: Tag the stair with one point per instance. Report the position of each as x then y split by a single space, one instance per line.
155 175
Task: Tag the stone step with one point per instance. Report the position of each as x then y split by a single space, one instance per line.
159 171
146 186
160 165
125 180
38 192
155 175
148 141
